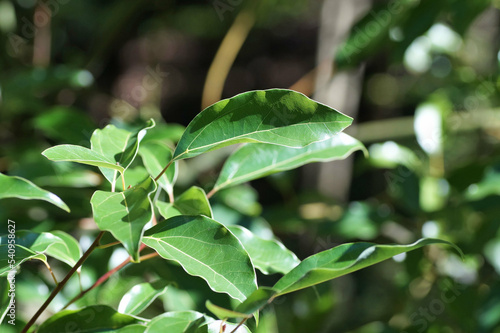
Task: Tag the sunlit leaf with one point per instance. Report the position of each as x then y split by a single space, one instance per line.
78 154
269 256
125 214
276 116
341 260
192 202
17 187
205 248
253 161
141 296
117 145
223 313
177 321
92 319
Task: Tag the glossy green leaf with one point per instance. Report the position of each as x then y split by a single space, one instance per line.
30 245
342 260
141 296
92 319
253 161
155 156
192 202
222 326
207 249
117 145
82 155
276 116
269 256
125 214
178 322
17 187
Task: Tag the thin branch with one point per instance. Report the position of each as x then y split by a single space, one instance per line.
241 323
102 279
211 193
59 287
163 171
51 272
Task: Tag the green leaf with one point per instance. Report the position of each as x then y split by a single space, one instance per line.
92 319
219 326
30 245
223 313
276 116
155 156
132 329
177 322
17 187
259 299
82 155
253 161
66 248
269 256
341 260
117 145
207 249
125 214
192 202
141 296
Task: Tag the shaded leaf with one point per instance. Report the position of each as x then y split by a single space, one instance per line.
276 116
192 202
117 145
132 329
92 319
253 161
269 256
30 245
155 156
141 296
341 260
125 214
178 322
207 249
223 313
17 187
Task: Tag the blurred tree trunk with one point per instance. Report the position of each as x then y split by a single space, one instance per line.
339 90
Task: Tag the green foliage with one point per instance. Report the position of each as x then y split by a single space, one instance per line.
290 130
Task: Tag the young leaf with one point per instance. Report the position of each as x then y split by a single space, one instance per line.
341 260
141 296
253 161
207 249
276 116
268 256
177 321
82 155
17 187
125 214
117 145
155 156
192 202
30 245
92 319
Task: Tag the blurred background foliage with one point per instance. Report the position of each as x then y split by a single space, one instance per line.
427 112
